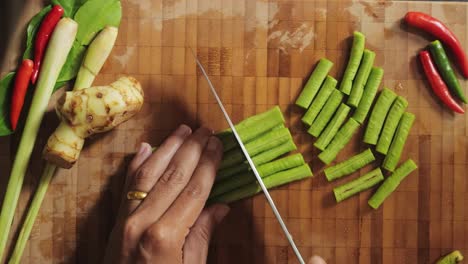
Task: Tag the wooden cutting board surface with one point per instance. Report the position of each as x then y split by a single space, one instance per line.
258 54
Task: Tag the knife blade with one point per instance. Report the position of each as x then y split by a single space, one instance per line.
249 160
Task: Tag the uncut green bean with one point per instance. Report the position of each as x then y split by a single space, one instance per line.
271 181
391 183
333 126
396 148
326 113
342 137
378 115
319 101
274 153
357 50
350 165
259 159
361 78
313 84
248 129
264 170
261 144
358 185
370 90
391 124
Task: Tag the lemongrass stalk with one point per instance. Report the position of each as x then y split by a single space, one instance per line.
33 210
59 46
95 57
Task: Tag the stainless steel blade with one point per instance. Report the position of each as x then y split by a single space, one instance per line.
249 160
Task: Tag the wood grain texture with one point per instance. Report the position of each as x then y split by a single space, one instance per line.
258 53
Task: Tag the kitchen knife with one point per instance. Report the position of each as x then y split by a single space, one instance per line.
249 159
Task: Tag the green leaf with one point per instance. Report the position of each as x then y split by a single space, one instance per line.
31 30
59 85
73 63
5 94
94 15
69 6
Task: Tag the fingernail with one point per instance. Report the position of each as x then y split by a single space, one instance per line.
182 131
221 211
213 144
316 260
141 149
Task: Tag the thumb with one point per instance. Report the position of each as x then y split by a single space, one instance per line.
198 240
316 260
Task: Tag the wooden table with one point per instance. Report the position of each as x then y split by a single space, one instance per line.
259 53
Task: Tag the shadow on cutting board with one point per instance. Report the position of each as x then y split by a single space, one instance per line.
94 228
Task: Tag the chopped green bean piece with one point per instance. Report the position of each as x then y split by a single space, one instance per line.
370 90
248 129
398 142
357 50
332 128
313 84
391 183
267 141
350 165
326 113
378 115
361 78
259 159
452 258
391 124
271 181
358 185
319 101
342 137
264 170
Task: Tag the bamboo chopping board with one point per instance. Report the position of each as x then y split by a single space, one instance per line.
258 53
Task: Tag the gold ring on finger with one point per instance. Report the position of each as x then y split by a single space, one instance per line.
136 195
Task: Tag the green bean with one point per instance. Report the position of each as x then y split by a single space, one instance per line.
377 118
361 78
343 136
326 113
267 141
332 128
313 84
319 101
391 183
258 159
359 41
248 129
350 165
445 69
358 185
391 123
274 153
396 148
370 90
271 181
264 170
452 258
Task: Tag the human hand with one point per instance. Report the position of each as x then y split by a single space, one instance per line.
170 224
316 260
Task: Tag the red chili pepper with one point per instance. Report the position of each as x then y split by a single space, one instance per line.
23 75
440 31
437 83
42 37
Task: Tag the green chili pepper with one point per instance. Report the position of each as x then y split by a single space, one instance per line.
445 69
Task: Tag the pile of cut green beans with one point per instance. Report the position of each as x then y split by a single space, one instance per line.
334 112
268 142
